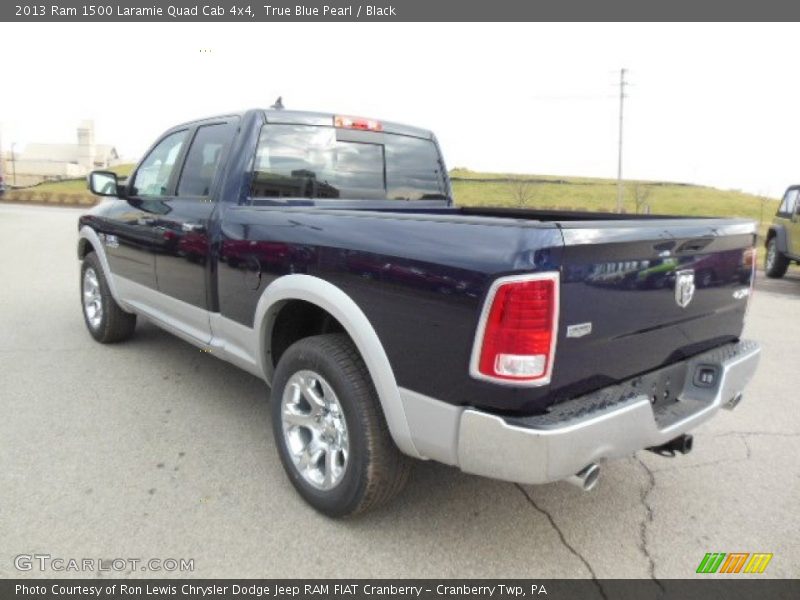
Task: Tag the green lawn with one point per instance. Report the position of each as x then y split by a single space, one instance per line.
580 193
540 191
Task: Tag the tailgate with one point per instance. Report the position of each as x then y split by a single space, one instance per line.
637 295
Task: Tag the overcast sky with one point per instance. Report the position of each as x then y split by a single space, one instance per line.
708 103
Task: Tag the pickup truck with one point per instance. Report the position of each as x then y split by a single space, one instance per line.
324 254
783 237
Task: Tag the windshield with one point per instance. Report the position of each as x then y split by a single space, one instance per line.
312 161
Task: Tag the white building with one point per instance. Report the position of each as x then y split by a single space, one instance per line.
53 162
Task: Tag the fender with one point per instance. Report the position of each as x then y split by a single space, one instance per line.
332 299
90 235
779 232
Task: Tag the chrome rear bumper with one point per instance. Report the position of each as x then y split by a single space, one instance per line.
611 423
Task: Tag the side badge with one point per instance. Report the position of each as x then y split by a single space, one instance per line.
579 330
111 241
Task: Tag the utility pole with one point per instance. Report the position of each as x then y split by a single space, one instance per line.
622 84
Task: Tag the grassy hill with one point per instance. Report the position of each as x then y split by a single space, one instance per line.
581 193
69 191
528 191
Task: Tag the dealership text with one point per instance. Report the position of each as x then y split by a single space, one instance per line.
278 591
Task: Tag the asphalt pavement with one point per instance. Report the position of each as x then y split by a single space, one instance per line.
154 449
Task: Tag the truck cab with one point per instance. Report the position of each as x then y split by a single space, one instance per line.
783 237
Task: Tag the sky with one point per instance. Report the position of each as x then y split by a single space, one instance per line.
712 104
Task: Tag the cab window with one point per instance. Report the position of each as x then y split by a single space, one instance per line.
153 175
203 159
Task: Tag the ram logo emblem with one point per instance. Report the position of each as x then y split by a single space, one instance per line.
684 287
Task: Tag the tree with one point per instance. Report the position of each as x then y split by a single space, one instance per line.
522 192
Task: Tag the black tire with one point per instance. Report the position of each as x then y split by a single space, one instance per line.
115 325
775 263
375 470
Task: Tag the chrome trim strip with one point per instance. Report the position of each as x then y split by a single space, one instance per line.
487 306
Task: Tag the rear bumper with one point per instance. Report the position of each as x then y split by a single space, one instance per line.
611 423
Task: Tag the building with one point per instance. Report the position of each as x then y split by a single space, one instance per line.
54 162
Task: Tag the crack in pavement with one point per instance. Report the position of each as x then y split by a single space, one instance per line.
647 521
741 435
563 539
756 433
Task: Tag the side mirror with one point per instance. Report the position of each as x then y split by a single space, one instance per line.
103 183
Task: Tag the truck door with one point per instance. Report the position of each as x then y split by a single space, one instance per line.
793 229
131 239
183 263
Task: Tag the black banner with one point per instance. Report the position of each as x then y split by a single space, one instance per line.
398 10
713 588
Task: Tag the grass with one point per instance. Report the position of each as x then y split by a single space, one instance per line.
580 193
69 192
471 188
583 193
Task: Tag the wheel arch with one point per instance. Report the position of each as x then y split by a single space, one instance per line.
89 241
341 307
779 233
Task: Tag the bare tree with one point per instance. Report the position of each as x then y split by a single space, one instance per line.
641 194
522 192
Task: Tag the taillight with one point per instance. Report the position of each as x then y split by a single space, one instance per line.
516 338
749 259
357 123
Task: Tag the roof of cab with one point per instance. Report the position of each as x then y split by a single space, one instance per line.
302 117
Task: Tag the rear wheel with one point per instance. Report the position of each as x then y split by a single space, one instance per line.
775 263
104 318
330 430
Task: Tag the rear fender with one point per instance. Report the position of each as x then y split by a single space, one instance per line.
337 303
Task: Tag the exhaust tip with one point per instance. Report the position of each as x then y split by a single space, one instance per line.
587 478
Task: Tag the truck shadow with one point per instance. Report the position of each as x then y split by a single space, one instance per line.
788 285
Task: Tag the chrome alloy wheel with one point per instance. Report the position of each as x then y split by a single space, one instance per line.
92 300
314 429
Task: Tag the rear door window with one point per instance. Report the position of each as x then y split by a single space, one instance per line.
203 159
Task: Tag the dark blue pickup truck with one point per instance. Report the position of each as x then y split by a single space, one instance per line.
324 254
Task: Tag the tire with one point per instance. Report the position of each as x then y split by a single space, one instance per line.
111 324
775 263
333 439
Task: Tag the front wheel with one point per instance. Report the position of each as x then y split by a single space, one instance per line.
775 263
104 318
330 430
